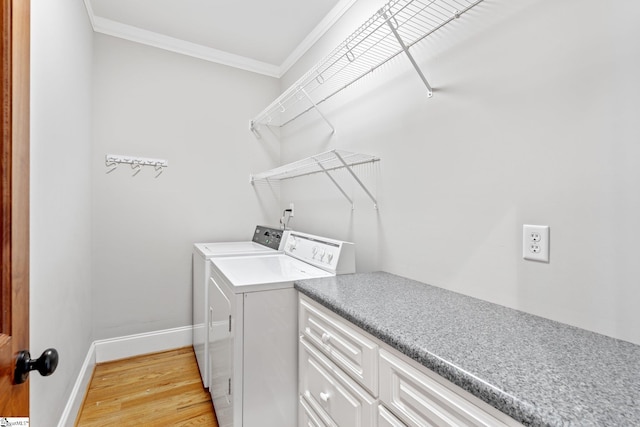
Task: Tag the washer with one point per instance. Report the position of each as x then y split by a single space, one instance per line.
253 339
265 240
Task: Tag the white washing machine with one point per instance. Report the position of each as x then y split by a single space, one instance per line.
253 340
264 240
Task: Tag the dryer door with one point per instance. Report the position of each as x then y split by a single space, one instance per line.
220 353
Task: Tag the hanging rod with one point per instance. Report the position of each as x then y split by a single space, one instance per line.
321 163
391 31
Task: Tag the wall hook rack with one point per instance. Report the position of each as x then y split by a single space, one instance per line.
113 160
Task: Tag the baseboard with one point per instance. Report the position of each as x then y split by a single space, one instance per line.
150 342
70 413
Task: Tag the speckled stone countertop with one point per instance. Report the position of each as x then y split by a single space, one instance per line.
539 372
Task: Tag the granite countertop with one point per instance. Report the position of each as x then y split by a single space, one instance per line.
539 372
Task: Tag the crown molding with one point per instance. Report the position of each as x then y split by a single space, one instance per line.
150 38
87 5
332 17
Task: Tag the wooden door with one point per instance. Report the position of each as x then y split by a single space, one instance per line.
14 202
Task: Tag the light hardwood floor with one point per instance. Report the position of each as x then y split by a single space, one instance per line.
160 389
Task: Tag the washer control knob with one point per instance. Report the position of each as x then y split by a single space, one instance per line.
293 242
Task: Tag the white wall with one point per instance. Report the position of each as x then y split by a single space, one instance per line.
153 103
534 119
60 290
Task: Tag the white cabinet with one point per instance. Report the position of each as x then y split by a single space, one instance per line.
332 393
349 349
348 378
420 400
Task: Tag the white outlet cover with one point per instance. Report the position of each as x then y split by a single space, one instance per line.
535 242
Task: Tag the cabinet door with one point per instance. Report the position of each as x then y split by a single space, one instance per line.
419 400
330 391
354 353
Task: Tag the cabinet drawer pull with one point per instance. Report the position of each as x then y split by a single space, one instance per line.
326 337
324 396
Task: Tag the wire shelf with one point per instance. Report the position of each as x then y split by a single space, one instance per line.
391 31
321 163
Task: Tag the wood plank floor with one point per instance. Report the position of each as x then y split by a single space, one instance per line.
160 389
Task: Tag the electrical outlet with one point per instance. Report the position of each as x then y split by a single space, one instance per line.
535 242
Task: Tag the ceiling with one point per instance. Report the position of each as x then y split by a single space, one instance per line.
266 37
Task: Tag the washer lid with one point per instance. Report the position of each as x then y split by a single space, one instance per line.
209 250
253 271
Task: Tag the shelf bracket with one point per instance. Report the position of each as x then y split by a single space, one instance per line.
334 181
339 157
406 51
254 129
301 89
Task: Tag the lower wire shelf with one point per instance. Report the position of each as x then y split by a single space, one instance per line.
321 163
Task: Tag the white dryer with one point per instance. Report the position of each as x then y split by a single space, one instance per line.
253 338
264 240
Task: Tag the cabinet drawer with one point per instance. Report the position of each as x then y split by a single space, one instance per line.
387 419
330 391
308 417
354 353
419 400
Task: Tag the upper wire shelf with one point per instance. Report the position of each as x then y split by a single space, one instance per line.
392 30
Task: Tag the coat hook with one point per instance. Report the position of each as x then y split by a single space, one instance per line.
136 165
160 168
109 164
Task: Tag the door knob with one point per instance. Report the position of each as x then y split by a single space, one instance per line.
46 364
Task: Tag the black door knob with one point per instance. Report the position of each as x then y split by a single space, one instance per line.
46 364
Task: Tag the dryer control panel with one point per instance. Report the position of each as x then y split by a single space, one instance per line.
331 255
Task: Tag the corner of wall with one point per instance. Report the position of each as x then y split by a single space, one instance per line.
74 404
